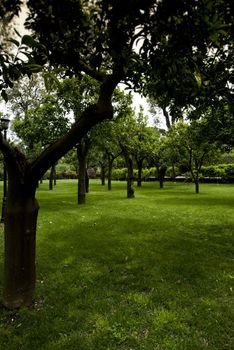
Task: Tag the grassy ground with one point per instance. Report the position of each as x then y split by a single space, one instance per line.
153 273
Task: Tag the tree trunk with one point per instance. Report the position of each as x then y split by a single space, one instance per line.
55 176
196 181
103 175
86 181
51 179
22 207
20 237
139 179
109 176
81 181
161 174
161 182
130 178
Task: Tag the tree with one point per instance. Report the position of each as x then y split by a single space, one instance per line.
200 74
95 38
40 118
159 156
109 134
199 144
76 94
142 142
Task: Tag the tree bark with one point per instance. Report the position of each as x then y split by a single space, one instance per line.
139 179
196 181
55 176
86 181
20 234
103 174
109 176
52 177
22 207
130 178
82 158
161 174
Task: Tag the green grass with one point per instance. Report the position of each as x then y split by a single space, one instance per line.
154 272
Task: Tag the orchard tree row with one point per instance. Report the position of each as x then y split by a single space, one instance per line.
42 115
178 53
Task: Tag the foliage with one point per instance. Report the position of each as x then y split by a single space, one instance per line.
192 65
76 94
224 171
98 38
42 125
197 141
121 173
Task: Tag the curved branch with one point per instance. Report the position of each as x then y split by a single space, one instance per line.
90 117
99 76
15 160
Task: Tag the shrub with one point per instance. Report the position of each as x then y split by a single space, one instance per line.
119 174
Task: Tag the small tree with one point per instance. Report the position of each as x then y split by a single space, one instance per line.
198 143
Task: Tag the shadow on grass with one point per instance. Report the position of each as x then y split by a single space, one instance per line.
119 289
126 281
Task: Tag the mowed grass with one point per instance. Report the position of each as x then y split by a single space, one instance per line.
154 272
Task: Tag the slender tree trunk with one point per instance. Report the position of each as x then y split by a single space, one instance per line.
130 178
82 181
162 173
103 175
161 182
52 176
20 236
196 181
139 179
110 165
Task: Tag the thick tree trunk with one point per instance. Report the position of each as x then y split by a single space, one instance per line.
22 207
20 236
55 176
86 181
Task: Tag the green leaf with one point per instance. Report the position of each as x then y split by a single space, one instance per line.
33 67
29 41
16 31
4 95
14 42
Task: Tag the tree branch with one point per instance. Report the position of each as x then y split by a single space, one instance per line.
99 76
15 160
90 117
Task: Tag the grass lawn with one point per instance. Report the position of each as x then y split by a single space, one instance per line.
151 273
